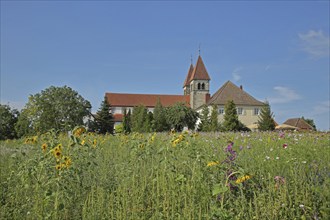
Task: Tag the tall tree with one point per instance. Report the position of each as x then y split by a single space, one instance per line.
214 124
310 122
8 119
140 119
179 115
127 124
231 122
266 119
59 108
160 123
204 124
104 119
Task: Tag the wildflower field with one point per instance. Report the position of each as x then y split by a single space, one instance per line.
166 176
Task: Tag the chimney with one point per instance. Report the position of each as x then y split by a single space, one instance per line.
241 87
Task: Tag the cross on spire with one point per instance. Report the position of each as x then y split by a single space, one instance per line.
199 49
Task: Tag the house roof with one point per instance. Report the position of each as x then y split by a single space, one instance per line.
148 100
229 91
199 71
187 80
118 117
299 123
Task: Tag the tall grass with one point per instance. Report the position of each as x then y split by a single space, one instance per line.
168 176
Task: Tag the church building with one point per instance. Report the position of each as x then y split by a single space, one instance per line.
196 93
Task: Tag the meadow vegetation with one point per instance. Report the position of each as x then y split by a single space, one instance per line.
265 175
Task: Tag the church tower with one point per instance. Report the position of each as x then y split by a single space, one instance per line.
197 84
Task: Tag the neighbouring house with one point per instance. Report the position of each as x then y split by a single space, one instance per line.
300 123
196 93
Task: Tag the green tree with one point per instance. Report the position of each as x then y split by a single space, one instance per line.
127 124
310 122
214 124
231 122
204 124
160 123
104 119
59 108
266 120
140 121
8 119
179 115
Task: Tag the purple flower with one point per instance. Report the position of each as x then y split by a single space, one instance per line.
241 148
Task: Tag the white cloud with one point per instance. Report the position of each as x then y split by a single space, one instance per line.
236 75
284 95
315 43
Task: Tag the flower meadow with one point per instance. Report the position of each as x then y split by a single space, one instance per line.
166 176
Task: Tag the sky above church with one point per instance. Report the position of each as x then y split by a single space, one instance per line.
277 50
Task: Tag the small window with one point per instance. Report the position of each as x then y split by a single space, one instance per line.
221 111
198 86
240 111
203 86
256 111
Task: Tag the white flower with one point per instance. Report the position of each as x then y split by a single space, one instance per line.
277 158
271 149
301 206
267 158
304 162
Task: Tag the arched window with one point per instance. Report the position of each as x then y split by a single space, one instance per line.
198 86
203 86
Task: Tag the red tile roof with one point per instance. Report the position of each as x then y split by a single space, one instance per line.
299 123
229 91
200 71
187 80
148 100
118 117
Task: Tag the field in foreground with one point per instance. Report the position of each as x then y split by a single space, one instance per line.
166 176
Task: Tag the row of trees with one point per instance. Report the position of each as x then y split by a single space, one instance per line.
174 117
62 108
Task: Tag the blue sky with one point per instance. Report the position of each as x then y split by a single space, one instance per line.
277 50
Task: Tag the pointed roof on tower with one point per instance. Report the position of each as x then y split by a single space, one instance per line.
200 71
187 80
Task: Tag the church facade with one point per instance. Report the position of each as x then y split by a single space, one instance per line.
196 93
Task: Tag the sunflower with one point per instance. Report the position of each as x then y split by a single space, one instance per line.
58 167
212 163
242 179
44 147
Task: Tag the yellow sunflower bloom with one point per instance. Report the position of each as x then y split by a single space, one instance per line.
242 179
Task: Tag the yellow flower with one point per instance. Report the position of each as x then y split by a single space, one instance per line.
44 147
83 142
77 132
68 163
58 167
242 179
212 163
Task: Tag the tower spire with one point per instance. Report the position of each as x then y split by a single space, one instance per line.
199 49
191 60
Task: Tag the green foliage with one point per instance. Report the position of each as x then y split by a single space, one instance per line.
160 123
266 120
127 123
8 119
179 115
59 108
214 124
204 124
141 120
166 176
104 119
231 122
310 122
119 128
